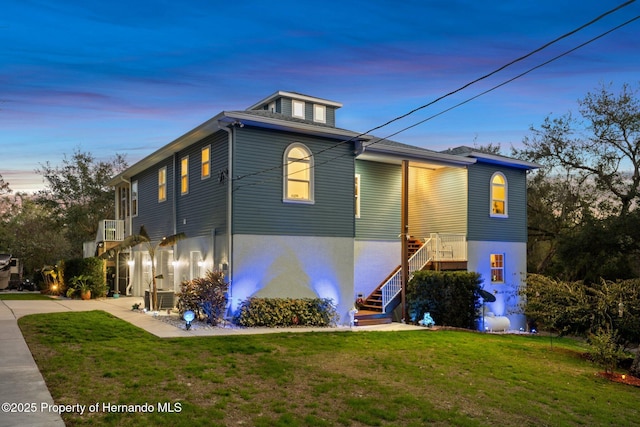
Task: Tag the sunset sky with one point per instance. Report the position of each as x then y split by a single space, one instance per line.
128 77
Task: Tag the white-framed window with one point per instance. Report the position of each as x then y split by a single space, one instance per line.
134 198
319 113
205 162
184 175
162 184
498 195
298 174
357 195
297 109
197 264
497 268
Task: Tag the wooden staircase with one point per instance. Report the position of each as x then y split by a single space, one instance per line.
371 312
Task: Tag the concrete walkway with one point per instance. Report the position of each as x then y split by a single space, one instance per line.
23 392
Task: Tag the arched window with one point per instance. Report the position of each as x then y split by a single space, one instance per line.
298 174
498 195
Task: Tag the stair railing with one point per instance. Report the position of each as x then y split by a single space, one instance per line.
392 287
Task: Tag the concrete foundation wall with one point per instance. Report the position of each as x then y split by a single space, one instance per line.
294 267
515 268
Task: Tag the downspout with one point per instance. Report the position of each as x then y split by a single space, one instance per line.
231 134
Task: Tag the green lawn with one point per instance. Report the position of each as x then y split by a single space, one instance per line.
416 378
23 296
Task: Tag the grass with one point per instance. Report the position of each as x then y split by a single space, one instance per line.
23 296
413 378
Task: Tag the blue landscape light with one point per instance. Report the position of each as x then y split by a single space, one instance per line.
188 317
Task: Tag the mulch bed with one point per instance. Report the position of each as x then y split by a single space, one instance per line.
628 379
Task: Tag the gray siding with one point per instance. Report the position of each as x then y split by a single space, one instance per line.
197 213
437 201
157 217
203 209
481 225
286 107
257 199
380 196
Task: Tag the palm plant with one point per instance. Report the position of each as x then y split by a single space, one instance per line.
143 238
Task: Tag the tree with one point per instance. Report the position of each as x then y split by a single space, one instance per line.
6 204
78 195
143 238
590 180
33 235
603 148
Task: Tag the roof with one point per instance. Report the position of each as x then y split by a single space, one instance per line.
492 158
367 147
280 116
386 150
295 95
260 118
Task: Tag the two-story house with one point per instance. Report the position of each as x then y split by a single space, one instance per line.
289 205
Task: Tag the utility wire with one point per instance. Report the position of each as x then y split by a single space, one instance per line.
555 58
593 21
512 79
440 98
598 18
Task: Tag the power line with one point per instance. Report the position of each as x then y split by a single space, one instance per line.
440 98
514 78
555 58
546 45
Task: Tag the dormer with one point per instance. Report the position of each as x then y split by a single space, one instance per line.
302 107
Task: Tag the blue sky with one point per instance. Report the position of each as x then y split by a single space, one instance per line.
129 77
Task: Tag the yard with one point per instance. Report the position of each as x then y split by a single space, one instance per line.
320 379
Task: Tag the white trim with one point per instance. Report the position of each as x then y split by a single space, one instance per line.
134 184
285 175
501 160
493 214
322 117
184 175
293 95
297 104
496 267
357 195
203 162
163 185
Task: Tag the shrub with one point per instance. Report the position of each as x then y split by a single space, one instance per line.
450 296
205 296
283 312
92 272
580 309
605 350
557 305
